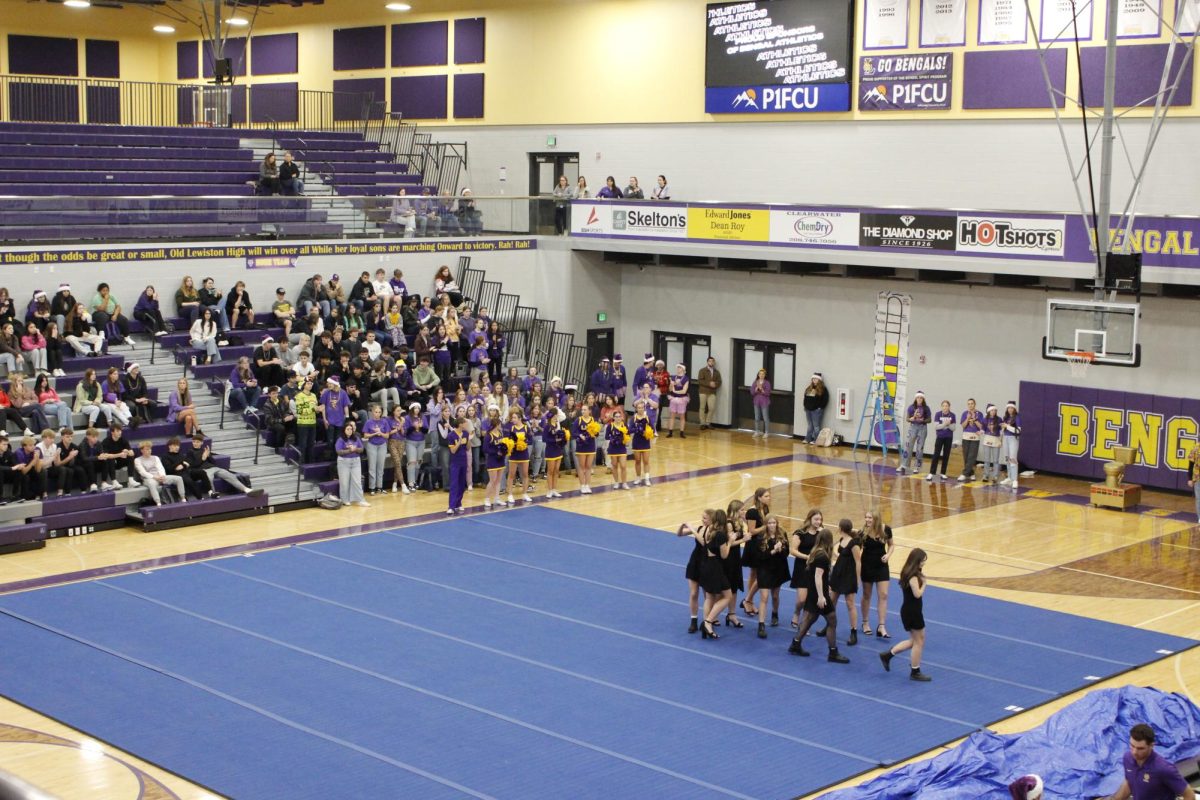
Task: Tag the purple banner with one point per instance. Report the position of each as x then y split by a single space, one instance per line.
905 83
1163 241
1071 430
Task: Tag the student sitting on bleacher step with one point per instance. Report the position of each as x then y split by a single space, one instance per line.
154 476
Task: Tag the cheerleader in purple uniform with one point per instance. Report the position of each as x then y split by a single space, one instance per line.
554 439
642 428
495 452
518 459
619 440
679 401
584 432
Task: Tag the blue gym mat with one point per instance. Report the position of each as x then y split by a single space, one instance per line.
532 653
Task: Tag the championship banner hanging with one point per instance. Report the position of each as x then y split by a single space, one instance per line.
885 24
1002 22
1061 17
1138 19
943 22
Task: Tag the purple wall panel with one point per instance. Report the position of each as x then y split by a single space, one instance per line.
277 102
183 105
1139 69
237 104
469 38
420 96
43 55
235 49
102 58
275 54
1011 78
1040 435
468 96
360 48
103 104
420 44
346 105
42 102
187 61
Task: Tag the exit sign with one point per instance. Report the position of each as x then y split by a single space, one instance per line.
601 316
551 141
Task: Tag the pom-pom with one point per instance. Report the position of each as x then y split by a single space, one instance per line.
626 439
593 428
566 435
649 434
508 445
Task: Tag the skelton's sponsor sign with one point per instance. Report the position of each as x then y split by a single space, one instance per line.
635 220
905 83
918 230
1072 430
1014 236
814 227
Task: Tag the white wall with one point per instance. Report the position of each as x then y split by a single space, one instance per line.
1000 164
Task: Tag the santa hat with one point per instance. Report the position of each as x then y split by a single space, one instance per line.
38 294
1027 787
990 407
131 366
268 339
1010 404
648 359
919 394
555 380
604 360
816 376
332 381
64 287
681 364
411 406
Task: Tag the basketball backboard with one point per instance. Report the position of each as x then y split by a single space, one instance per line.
1110 330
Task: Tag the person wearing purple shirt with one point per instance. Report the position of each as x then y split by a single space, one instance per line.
531 377
349 448
609 191
403 382
146 311
397 284
644 373
479 360
496 346
972 430
1149 776
943 440
414 443
334 406
760 396
618 381
457 442
918 417
991 442
600 382
557 392
376 431
1011 423
648 393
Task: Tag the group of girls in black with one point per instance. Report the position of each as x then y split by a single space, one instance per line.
826 567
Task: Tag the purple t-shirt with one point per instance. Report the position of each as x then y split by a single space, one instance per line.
1157 779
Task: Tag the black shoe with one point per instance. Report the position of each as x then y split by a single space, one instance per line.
762 631
797 649
853 640
682 435
837 658
692 628
821 633
886 658
732 620
774 620
917 675
707 631
670 434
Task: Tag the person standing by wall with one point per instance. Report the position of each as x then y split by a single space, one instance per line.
918 417
943 442
679 401
1194 476
760 396
709 383
972 430
562 205
1011 423
816 397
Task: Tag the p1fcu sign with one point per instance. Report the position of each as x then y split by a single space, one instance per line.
1073 430
920 82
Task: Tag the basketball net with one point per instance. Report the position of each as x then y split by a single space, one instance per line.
1080 361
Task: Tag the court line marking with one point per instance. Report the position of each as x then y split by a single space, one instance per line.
246 704
891 613
1168 614
658 642
547 666
430 693
572 541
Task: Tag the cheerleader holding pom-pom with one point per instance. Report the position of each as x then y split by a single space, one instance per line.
555 437
643 433
619 440
518 456
495 453
585 430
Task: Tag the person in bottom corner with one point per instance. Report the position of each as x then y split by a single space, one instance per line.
642 428
819 602
912 584
1011 424
972 431
585 432
1155 777
619 440
944 421
918 418
458 443
555 438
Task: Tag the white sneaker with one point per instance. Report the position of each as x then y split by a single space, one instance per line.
900 470
929 477
363 504
93 489
585 489
526 498
58 373
647 480
345 502
487 503
395 488
945 477
28 432
133 484
511 500
962 477
1006 482
1014 485
404 488
449 510
625 486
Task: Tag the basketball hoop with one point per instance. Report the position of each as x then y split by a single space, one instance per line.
1079 360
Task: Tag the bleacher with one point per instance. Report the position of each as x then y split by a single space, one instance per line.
63 181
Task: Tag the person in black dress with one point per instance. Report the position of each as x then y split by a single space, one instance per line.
692 571
912 614
772 572
712 575
844 578
876 549
818 603
800 544
733 562
756 520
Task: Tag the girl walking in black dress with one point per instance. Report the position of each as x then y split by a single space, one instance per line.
736 525
756 520
772 572
844 579
800 544
819 603
912 614
712 575
877 547
692 571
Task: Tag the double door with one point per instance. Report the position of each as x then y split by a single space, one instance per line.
689 349
779 360
544 170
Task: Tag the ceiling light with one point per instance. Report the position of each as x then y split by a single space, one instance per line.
163 29
77 3
398 7
237 21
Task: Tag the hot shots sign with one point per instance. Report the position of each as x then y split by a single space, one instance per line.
1012 236
921 81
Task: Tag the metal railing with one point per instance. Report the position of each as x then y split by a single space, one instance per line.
35 98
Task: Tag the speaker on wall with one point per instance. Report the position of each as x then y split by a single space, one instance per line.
1123 272
223 70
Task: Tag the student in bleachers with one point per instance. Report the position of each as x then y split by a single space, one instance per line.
201 458
88 396
187 299
376 432
278 417
469 215
267 364
335 408
154 476
38 311
404 214
33 345
28 468
61 304
312 295
497 344
362 292
395 447
210 298
11 354
195 481
8 311
52 404
304 406
429 221
112 403
54 355
181 409
268 176
55 475
238 307
289 176
81 334
204 335
99 472
335 293
9 478
120 454
25 401
69 459
244 388
105 310
146 311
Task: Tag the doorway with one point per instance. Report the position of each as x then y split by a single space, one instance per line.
689 349
599 345
544 169
779 360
